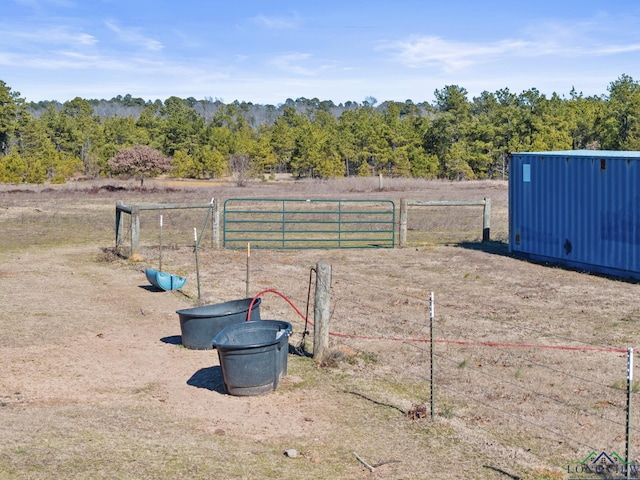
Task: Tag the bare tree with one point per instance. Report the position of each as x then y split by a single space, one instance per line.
241 167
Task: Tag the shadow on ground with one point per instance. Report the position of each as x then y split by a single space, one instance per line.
495 248
209 378
150 288
502 248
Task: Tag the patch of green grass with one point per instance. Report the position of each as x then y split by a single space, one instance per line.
145 389
306 369
369 357
631 317
622 385
447 410
545 474
402 390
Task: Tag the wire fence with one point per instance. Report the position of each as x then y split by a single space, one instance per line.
522 390
562 398
529 361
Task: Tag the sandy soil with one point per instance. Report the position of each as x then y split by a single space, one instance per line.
87 345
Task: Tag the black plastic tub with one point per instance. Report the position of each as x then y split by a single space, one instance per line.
200 324
253 356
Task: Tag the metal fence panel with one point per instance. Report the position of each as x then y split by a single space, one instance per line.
308 223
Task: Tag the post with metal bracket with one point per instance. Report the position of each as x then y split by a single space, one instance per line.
486 220
321 311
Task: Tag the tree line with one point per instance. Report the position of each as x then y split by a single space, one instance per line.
453 138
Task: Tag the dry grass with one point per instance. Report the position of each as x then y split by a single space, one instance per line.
90 389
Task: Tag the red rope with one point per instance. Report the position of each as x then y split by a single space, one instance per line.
270 290
439 340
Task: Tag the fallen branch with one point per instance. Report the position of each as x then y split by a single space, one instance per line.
371 469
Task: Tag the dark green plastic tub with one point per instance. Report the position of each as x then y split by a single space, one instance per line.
253 355
200 324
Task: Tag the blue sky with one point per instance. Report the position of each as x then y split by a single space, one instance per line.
267 51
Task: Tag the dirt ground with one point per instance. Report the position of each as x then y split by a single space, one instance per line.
529 360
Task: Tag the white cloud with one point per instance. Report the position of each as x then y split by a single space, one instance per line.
273 22
616 49
546 39
134 37
293 63
55 35
451 56
60 60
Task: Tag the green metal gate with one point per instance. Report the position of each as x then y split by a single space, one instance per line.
308 223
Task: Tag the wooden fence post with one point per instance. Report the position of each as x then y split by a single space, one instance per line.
321 311
135 230
119 225
403 222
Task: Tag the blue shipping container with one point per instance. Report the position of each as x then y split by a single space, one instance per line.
580 208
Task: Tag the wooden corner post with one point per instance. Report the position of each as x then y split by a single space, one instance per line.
321 311
119 225
403 222
135 230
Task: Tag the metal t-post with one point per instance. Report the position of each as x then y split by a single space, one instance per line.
629 392
431 342
248 268
195 245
